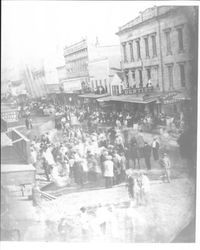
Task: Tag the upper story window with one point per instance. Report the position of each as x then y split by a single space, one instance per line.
170 76
138 49
168 41
124 52
154 47
180 38
133 74
140 78
182 74
148 73
92 84
146 41
131 51
127 78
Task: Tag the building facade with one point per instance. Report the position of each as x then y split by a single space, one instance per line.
76 65
156 47
88 70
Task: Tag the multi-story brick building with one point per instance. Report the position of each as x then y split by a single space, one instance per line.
157 46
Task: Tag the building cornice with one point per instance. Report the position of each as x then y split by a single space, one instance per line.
155 17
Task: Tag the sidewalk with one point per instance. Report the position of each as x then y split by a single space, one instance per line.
169 210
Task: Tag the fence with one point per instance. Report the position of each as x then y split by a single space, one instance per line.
10 115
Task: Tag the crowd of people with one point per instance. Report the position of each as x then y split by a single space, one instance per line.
88 154
145 121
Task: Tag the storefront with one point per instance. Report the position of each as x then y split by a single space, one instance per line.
174 102
91 100
132 103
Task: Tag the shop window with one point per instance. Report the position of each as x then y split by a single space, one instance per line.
115 90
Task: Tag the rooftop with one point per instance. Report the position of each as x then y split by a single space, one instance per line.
145 16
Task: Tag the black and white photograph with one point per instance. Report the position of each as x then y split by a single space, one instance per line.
99 121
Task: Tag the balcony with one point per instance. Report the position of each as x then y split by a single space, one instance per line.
139 90
131 64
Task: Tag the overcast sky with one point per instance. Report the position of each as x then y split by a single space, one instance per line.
32 30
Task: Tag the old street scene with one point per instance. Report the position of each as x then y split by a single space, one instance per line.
98 122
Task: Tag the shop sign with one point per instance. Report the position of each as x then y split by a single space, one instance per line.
170 98
129 91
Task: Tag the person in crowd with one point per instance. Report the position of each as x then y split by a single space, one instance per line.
134 155
50 230
117 167
145 188
102 218
147 155
27 122
140 144
123 165
165 164
108 171
34 156
130 184
85 224
64 229
46 167
155 148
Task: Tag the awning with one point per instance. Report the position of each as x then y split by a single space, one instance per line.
5 140
182 96
128 98
174 97
93 96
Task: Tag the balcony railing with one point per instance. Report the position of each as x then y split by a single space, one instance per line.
131 91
